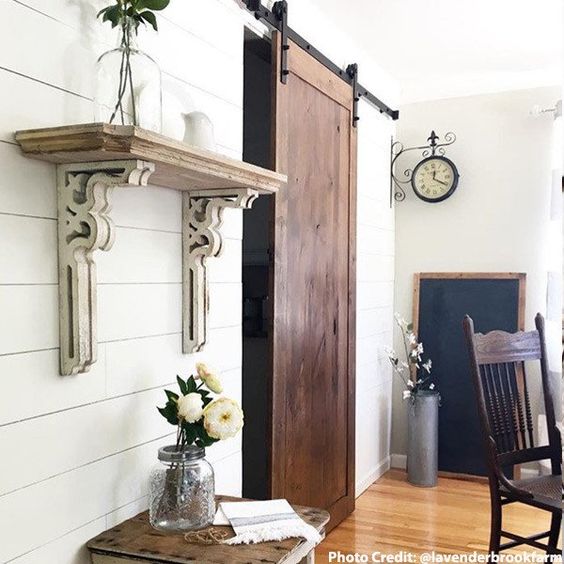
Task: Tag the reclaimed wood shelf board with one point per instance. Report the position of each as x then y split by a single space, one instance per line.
177 165
136 541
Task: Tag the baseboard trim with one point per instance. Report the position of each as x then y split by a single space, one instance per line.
364 483
399 461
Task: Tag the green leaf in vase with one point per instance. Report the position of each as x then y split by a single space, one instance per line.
150 18
191 385
171 395
169 412
190 432
182 385
203 437
112 14
152 4
206 400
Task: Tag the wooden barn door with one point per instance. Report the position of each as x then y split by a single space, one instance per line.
313 287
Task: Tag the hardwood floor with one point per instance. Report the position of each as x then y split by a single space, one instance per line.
393 516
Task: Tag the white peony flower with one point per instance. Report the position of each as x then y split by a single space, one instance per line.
209 377
190 407
223 418
406 394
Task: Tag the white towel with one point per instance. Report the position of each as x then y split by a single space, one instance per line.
261 521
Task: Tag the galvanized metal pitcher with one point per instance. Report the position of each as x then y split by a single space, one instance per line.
423 440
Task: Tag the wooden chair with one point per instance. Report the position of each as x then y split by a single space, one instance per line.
503 393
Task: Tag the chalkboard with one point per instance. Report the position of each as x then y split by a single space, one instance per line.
441 300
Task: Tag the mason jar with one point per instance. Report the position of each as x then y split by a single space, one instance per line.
182 490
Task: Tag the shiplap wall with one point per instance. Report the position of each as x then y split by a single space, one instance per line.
375 297
76 451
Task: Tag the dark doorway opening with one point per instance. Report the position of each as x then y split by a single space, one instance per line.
256 266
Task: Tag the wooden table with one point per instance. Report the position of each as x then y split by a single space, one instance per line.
135 541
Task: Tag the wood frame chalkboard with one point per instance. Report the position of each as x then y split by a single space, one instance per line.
521 276
518 294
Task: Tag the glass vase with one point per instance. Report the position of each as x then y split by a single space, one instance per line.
182 490
128 86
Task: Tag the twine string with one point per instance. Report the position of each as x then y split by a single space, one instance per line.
213 535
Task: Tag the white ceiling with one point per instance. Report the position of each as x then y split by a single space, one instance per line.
443 48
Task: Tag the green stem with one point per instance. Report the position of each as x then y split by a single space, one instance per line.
399 374
129 72
121 90
407 357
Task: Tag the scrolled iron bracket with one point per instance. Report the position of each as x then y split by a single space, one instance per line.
397 192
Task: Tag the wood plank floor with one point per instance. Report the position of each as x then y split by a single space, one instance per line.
454 517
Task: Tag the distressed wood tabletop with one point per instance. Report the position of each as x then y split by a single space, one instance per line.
136 541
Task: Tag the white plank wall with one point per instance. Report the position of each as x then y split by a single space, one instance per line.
76 451
375 296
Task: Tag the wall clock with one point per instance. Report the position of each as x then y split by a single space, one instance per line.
434 178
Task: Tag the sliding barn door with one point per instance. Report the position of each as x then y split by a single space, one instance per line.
313 277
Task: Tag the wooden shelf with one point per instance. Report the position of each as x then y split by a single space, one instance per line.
93 159
177 165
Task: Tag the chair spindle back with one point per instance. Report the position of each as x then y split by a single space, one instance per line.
501 383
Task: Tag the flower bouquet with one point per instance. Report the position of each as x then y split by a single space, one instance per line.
423 415
182 492
414 372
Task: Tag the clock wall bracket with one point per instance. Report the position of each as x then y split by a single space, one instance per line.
431 149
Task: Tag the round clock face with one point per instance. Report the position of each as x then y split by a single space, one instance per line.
434 179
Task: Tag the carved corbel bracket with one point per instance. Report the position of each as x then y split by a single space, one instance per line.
201 238
84 226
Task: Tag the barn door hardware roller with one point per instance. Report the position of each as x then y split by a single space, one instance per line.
278 19
280 10
352 71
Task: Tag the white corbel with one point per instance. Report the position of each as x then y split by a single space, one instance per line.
201 238
84 227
